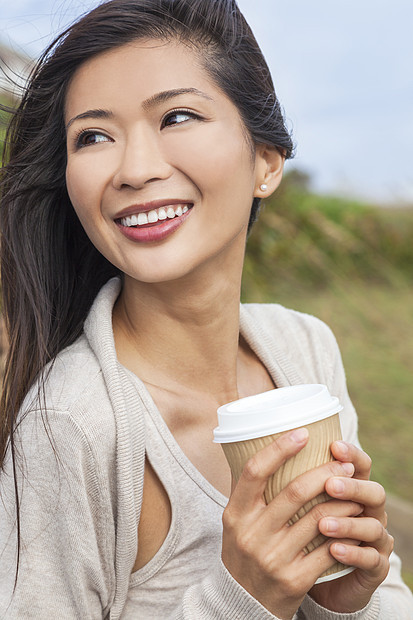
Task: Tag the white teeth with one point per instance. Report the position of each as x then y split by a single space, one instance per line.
154 215
142 219
132 220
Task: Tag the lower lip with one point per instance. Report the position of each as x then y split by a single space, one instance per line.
154 232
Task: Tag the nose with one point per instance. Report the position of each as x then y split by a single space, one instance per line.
141 161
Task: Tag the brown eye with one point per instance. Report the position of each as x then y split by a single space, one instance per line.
86 138
177 117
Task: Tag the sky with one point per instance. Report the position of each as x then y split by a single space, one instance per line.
342 70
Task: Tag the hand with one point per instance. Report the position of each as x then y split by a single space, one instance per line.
370 555
261 551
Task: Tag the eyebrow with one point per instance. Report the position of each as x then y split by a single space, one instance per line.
166 95
90 114
149 103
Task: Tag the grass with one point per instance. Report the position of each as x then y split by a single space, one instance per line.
408 579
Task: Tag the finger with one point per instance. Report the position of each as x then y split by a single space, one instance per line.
365 558
362 529
321 557
343 451
366 492
305 530
303 489
249 490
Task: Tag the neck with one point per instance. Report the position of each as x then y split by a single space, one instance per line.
184 332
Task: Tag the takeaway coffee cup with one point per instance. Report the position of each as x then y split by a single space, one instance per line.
247 425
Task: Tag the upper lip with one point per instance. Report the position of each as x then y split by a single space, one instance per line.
149 206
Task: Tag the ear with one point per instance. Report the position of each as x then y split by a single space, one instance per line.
269 166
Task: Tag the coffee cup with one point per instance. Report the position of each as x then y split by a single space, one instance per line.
247 425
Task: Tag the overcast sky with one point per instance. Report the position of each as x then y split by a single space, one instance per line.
342 70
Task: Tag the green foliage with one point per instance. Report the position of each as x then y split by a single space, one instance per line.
304 239
408 578
4 120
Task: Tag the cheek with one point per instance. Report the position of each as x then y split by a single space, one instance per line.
218 161
85 197
232 178
83 183
75 184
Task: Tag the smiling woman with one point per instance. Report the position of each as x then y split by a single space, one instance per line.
144 142
176 138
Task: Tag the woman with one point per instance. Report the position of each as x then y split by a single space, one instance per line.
144 136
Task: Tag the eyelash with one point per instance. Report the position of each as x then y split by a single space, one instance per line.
177 112
84 133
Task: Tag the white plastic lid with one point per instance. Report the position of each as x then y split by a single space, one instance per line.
274 411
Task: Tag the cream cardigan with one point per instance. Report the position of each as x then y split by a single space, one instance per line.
80 503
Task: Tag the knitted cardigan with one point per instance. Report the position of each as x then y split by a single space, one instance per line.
80 478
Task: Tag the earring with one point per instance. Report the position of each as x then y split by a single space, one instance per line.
263 187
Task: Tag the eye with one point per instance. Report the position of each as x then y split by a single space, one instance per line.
89 137
177 117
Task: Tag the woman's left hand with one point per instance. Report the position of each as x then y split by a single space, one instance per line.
364 541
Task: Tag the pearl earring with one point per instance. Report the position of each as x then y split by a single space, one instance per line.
263 187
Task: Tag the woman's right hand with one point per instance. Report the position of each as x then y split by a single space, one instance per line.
260 550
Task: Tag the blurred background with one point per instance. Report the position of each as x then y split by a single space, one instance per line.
336 239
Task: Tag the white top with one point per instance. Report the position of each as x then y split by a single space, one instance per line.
195 537
81 494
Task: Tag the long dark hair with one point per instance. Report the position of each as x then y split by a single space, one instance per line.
50 271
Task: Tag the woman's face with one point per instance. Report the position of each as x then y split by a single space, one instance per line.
159 169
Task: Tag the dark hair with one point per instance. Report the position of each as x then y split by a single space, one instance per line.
50 271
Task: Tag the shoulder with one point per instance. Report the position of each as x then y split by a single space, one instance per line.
304 340
291 325
71 396
306 348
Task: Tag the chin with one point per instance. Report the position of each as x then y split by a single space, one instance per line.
157 276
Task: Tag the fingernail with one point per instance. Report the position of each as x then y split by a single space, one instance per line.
359 509
348 468
343 446
299 435
340 550
338 486
332 525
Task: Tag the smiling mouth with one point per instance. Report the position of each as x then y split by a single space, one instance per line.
154 216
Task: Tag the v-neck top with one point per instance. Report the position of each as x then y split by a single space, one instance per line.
194 539
195 534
